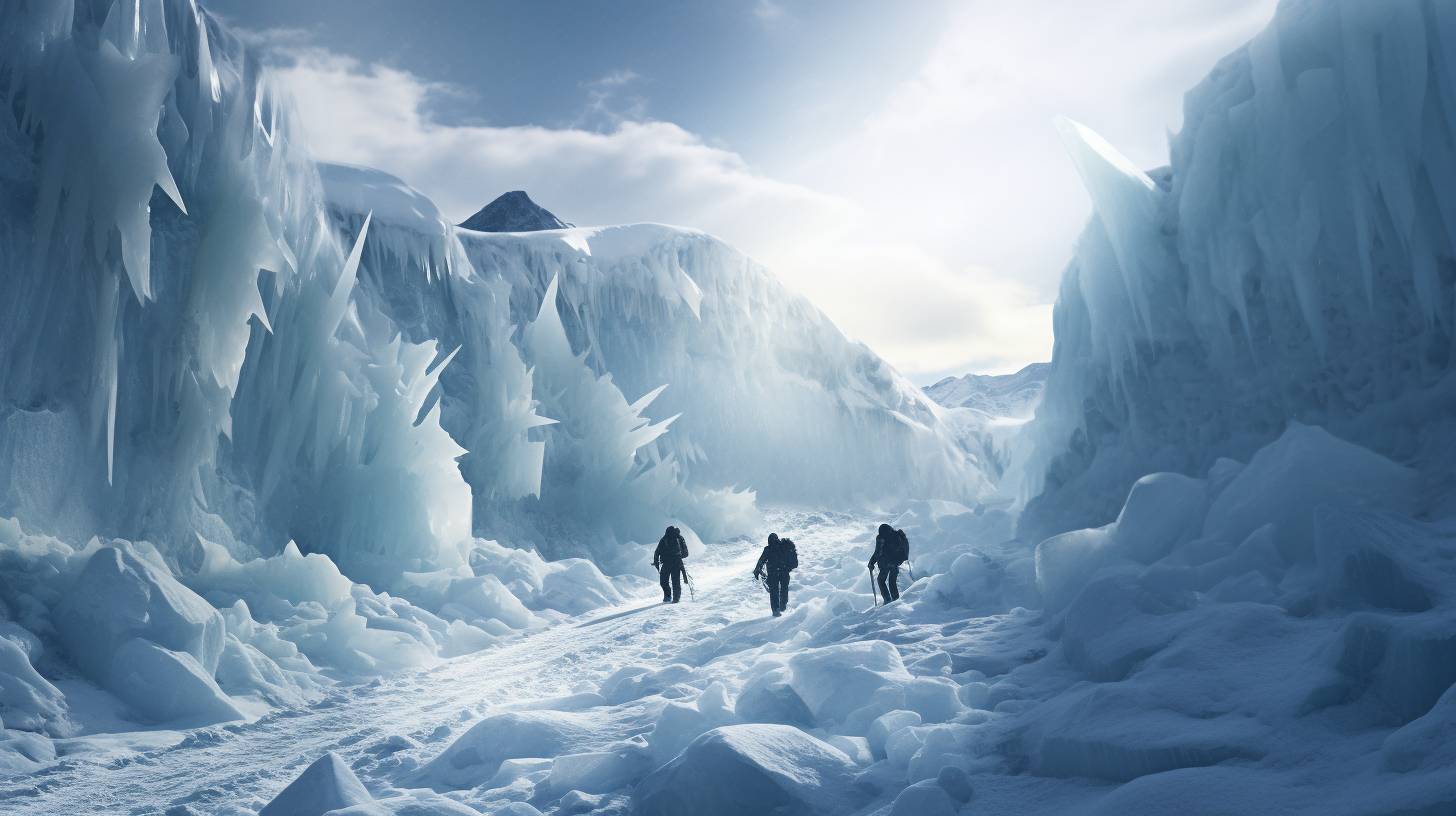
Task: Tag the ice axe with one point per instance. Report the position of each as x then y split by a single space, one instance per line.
874 591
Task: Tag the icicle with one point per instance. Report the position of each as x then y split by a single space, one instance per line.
339 300
1129 204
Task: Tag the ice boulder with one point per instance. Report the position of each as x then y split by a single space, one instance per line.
28 701
924 798
1304 469
598 771
759 768
1161 511
1117 621
477 755
1381 560
935 699
22 752
121 595
835 680
167 686
770 698
887 725
680 723
1424 742
1065 562
325 786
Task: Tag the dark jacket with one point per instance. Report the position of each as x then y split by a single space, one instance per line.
672 548
780 556
892 548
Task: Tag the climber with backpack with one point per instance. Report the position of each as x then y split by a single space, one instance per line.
779 558
672 548
892 548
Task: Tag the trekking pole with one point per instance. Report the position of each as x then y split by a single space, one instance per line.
688 579
911 567
873 591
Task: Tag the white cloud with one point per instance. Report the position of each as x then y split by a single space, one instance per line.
962 158
935 231
609 103
819 244
768 12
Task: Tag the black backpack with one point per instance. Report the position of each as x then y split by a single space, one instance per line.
790 554
682 546
897 548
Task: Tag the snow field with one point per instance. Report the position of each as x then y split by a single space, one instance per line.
1299 658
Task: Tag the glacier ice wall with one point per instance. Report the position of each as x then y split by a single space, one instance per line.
556 456
766 390
1295 262
183 348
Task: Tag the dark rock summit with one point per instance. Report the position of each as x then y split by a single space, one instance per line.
513 212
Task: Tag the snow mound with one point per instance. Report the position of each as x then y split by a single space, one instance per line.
138 632
28 701
166 686
478 753
835 680
325 786
1310 468
740 769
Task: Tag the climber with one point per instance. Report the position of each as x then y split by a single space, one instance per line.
892 548
778 560
672 548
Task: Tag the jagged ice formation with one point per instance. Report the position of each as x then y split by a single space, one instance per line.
1295 262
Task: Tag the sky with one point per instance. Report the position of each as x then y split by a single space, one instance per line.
895 162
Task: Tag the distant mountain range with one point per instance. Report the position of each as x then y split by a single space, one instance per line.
1008 395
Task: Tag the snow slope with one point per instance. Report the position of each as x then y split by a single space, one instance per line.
1293 263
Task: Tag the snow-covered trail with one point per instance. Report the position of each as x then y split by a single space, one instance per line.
245 764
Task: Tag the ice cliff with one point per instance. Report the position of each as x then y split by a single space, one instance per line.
1294 262
761 389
